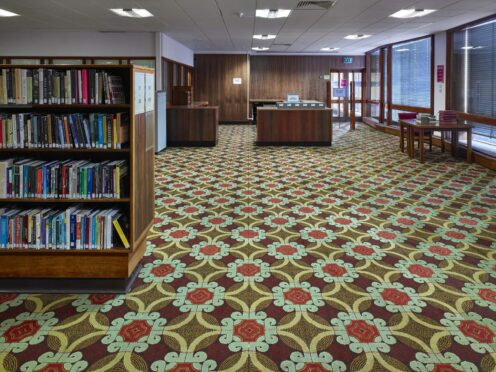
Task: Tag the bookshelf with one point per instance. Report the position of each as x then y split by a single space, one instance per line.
96 270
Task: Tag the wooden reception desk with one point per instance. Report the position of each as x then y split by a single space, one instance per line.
296 126
192 125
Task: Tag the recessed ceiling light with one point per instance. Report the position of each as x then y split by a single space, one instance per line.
133 13
273 13
402 50
412 13
357 36
264 37
327 49
260 48
6 13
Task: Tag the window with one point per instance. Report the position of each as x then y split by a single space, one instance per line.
106 61
375 75
411 75
473 73
57 61
25 61
473 78
143 62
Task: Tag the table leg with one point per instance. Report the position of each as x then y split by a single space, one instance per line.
442 141
421 145
469 145
402 145
453 143
411 143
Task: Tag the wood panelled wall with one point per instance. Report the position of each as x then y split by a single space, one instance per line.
276 76
263 77
213 82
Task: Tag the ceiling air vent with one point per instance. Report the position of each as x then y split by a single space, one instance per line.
316 4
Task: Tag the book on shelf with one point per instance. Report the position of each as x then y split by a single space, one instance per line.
63 179
71 228
25 86
64 131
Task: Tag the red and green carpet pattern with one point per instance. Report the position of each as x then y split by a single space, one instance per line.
289 259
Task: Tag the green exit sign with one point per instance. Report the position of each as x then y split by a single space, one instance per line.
347 59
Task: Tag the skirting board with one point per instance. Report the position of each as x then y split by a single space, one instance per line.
258 143
192 144
62 285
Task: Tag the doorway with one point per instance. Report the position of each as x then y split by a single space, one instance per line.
338 98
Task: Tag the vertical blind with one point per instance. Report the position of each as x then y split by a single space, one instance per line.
411 75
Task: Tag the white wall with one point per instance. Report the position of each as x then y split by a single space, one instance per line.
175 51
68 44
439 59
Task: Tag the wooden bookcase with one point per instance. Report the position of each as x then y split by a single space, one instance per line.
50 270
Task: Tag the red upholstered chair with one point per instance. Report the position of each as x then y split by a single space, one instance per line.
413 115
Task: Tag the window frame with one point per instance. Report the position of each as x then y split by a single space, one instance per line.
386 57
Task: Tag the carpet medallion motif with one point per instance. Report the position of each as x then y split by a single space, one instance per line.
351 257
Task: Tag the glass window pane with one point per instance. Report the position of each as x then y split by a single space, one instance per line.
57 61
25 61
375 76
373 109
143 62
411 63
107 61
473 74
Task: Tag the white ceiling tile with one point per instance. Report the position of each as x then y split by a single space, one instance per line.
216 24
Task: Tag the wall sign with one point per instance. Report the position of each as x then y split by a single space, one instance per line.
440 73
339 92
347 59
237 81
344 83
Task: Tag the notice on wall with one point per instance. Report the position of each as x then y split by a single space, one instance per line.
440 73
139 93
339 92
237 81
344 83
150 92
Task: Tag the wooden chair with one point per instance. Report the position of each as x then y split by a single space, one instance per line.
413 115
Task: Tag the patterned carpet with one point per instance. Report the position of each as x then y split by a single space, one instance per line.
289 259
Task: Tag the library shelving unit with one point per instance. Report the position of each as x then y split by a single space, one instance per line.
91 270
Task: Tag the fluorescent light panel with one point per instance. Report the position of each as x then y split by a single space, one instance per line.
6 13
264 37
260 48
412 13
327 49
357 36
132 13
273 13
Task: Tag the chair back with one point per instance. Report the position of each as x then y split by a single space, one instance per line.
407 115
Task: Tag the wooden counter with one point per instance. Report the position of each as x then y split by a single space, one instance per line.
303 127
255 103
194 125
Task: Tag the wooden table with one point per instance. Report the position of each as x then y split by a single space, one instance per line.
193 125
412 126
294 126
